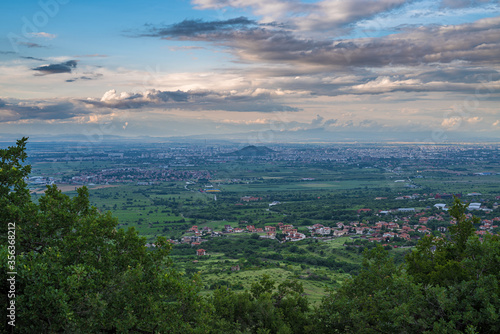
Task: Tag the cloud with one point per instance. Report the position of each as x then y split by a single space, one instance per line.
474 120
269 10
184 48
34 110
65 67
326 15
43 35
7 52
259 121
31 45
87 77
465 3
452 123
315 16
32 58
387 84
317 121
261 6
447 58
473 43
96 55
249 101
199 29
460 74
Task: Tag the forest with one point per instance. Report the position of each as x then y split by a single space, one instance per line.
70 268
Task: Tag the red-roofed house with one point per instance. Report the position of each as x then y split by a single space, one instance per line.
250 199
405 236
423 229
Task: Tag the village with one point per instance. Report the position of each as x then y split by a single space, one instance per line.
400 233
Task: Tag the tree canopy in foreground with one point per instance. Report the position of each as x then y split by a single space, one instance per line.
78 273
446 285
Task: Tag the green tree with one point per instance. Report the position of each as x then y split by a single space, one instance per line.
439 261
381 299
262 309
446 286
78 273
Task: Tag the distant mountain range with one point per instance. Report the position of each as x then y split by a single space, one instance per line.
269 137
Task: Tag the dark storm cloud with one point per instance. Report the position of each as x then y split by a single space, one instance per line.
23 110
199 28
65 67
190 100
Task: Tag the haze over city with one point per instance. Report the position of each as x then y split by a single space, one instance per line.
254 71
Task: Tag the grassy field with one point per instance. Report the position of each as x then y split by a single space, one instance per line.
259 259
463 184
304 186
216 271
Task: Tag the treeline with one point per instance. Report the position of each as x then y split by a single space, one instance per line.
76 273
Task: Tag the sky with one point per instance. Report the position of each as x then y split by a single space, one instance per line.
255 71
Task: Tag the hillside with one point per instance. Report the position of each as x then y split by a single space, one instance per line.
252 151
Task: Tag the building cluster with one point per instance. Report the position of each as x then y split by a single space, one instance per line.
250 199
402 229
142 176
